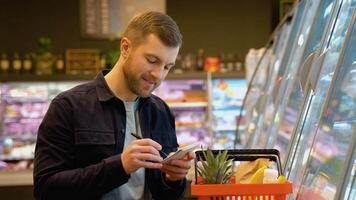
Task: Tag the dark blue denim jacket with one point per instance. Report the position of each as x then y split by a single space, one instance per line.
81 138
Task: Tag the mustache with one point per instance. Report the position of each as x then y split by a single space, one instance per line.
151 79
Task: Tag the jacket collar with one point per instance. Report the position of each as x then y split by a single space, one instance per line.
103 91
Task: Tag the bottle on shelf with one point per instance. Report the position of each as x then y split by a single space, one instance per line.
102 61
230 64
59 65
178 68
200 60
44 59
27 64
238 63
4 64
16 64
7 145
188 62
223 62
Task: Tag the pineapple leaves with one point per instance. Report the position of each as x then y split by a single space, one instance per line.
215 169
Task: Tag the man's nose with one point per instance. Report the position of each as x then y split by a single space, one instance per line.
157 72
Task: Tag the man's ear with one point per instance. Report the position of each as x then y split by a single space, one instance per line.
125 47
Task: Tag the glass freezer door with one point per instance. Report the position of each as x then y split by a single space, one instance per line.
349 190
288 72
280 64
306 127
246 125
265 72
336 130
253 112
290 107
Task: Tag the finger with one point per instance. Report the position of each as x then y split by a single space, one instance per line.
174 174
191 155
145 149
150 165
148 142
185 164
175 169
148 157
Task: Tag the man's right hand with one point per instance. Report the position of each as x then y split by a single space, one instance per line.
141 153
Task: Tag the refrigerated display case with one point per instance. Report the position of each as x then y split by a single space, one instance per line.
23 106
287 112
189 103
335 136
319 82
257 137
348 190
283 89
265 72
227 96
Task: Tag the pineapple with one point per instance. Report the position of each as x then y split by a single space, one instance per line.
215 170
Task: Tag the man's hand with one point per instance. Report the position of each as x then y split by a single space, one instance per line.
177 169
141 153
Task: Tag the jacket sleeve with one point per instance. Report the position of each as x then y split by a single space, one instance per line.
55 173
163 190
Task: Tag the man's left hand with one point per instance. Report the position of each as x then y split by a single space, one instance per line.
177 169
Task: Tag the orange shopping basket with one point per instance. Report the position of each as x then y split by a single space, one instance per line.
275 191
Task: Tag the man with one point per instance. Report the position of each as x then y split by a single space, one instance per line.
85 149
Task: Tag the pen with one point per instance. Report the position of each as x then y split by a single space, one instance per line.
138 137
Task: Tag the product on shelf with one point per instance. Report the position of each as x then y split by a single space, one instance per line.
22 106
227 100
188 101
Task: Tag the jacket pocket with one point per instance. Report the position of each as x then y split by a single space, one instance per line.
93 137
92 146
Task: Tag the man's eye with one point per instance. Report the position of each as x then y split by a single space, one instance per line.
152 61
167 67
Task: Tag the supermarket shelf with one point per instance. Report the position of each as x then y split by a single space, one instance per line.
21 178
182 128
203 75
224 129
44 78
8 158
83 77
24 100
188 104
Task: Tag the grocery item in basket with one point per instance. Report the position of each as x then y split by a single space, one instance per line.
216 168
270 176
246 170
281 179
257 177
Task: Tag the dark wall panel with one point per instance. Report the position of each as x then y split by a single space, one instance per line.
224 25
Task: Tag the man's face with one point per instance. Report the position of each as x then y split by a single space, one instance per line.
147 65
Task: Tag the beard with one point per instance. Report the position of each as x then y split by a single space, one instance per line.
133 82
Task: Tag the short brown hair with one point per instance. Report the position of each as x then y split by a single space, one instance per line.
151 22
